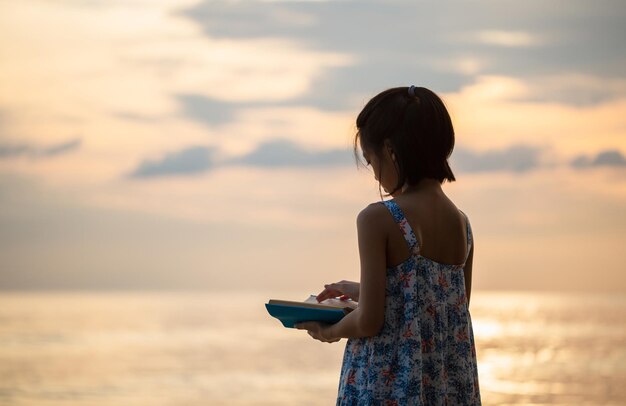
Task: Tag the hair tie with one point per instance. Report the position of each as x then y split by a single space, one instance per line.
412 91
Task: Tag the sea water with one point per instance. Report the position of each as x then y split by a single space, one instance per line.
206 348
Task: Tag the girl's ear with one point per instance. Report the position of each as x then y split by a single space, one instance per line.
390 150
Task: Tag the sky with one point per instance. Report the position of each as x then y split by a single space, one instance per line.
207 144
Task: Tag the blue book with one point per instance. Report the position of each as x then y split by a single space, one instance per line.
290 313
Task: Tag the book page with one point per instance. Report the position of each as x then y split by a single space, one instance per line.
333 302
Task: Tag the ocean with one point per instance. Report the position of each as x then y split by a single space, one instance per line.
205 348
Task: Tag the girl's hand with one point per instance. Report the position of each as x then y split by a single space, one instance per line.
318 331
344 289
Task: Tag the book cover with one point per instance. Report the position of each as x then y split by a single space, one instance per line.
290 312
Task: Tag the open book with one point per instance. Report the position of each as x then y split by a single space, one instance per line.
328 311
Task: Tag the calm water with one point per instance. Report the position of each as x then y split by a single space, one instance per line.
222 349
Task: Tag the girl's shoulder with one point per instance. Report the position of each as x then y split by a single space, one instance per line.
375 216
373 210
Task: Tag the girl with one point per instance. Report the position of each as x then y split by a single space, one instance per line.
410 338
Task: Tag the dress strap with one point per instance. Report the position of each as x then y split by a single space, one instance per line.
405 227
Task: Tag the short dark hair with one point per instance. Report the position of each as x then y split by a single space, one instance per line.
418 129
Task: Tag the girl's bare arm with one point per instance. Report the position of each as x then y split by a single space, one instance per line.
368 318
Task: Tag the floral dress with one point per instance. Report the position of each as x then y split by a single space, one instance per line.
424 353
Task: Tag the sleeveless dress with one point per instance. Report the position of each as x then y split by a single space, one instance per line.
424 353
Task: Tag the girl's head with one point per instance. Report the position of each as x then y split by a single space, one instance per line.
407 135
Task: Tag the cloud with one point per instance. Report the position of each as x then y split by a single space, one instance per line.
612 158
507 38
574 89
61 148
527 40
32 151
283 153
280 153
272 154
207 110
188 161
518 158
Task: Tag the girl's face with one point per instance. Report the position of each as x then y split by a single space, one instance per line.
384 167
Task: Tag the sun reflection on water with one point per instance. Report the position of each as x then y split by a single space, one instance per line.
196 348
548 348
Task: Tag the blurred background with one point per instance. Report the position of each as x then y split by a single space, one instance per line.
168 166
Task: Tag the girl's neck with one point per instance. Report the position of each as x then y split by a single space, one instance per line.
422 185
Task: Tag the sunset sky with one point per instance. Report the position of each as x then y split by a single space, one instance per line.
207 144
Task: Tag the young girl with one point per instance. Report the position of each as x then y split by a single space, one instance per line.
410 338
